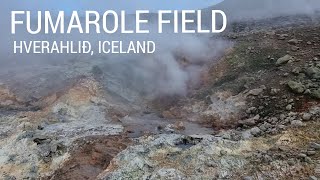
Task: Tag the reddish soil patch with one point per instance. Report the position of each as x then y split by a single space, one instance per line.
89 157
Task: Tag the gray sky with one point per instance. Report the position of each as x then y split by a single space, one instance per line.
102 5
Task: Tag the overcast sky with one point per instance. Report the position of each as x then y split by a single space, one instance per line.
102 5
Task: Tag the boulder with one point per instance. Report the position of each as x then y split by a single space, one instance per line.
296 87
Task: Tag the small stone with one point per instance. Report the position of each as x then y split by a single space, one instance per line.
7 103
309 42
313 178
274 91
311 153
273 119
294 48
289 107
246 135
306 116
302 155
313 72
251 110
33 169
248 178
291 162
296 87
223 152
296 70
282 36
308 160
284 60
265 126
293 41
169 128
315 146
297 123
250 121
308 91
315 93
282 117
255 92
211 164
255 131
179 126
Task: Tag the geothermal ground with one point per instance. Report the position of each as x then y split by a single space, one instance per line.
255 115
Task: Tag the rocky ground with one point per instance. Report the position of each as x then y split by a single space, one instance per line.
254 116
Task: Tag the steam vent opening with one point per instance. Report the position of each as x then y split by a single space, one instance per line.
79 104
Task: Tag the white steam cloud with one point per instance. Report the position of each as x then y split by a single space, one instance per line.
130 76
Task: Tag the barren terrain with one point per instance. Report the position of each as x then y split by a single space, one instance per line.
254 115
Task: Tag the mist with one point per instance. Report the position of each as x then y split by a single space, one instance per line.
177 63
241 10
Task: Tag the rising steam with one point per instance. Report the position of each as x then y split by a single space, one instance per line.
178 60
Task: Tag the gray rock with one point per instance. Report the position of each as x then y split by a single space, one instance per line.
313 178
291 162
313 72
282 117
274 91
306 116
246 135
302 155
168 174
315 111
315 93
251 110
248 178
296 70
296 87
284 60
311 153
308 91
293 41
250 121
282 127
308 160
283 36
255 92
223 152
273 120
294 48
315 146
141 161
297 123
265 126
255 131
289 107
